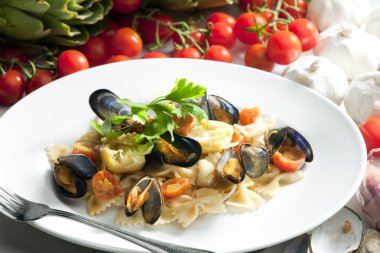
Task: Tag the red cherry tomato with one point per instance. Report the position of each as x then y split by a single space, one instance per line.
105 186
254 4
16 55
283 47
109 30
39 79
197 36
299 12
71 61
126 41
218 53
95 50
249 115
154 55
288 159
148 29
248 20
256 57
189 52
175 187
84 149
221 17
12 87
118 58
370 130
221 33
125 6
306 31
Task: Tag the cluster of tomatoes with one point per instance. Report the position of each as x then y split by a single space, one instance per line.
274 32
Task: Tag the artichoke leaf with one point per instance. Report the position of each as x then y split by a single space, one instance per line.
73 5
88 4
38 7
77 40
59 28
107 4
191 4
97 14
59 9
21 26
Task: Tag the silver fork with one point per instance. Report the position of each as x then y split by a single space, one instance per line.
20 209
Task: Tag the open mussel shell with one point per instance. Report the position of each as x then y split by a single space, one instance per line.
341 233
289 137
70 174
255 160
230 166
103 103
182 151
222 110
146 194
370 242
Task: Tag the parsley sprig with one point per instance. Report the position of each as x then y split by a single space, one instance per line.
156 116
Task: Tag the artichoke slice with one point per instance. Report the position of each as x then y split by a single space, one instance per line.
38 7
59 28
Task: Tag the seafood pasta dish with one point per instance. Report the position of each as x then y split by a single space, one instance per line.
182 155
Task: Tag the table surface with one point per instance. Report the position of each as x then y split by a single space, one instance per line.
16 237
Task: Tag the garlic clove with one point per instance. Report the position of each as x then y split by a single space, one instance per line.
372 24
319 74
362 99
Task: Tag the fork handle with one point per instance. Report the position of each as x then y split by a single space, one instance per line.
147 243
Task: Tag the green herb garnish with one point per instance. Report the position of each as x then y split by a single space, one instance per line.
157 116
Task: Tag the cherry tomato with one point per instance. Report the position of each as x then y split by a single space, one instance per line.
221 33
245 21
218 53
118 58
239 137
105 186
71 61
39 79
288 6
126 41
95 50
87 150
189 52
249 115
306 31
197 36
370 130
256 57
221 17
15 54
125 6
109 30
288 159
175 187
148 29
185 124
283 47
12 87
254 4
154 55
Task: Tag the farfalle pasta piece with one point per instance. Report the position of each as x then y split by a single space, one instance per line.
96 206
244 197
188 208
214 136
273 187
173 171
255 131
53 152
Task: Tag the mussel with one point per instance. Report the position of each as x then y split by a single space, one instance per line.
230 166
182 151
289 137
70 174
146 194
222 110
103 103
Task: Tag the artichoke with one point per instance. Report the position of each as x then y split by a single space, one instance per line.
60 22
185 5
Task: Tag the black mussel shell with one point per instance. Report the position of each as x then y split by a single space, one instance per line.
182 151
255 160
104 105
295 139
230 166
222 110
81 165
68 183
136 191
275 139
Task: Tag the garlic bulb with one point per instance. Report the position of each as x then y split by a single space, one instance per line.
325 13
349 47
362 99
372 24
319 74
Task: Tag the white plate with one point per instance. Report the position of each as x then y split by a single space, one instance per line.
59 113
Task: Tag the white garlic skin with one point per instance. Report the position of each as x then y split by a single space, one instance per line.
319 74
362 98
351 48
325 13
372 24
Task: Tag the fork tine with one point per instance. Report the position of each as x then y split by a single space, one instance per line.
9 202
12 195
8 209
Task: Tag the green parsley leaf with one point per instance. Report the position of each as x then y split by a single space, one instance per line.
185 91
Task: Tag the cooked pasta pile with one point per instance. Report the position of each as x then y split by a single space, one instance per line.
209 192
